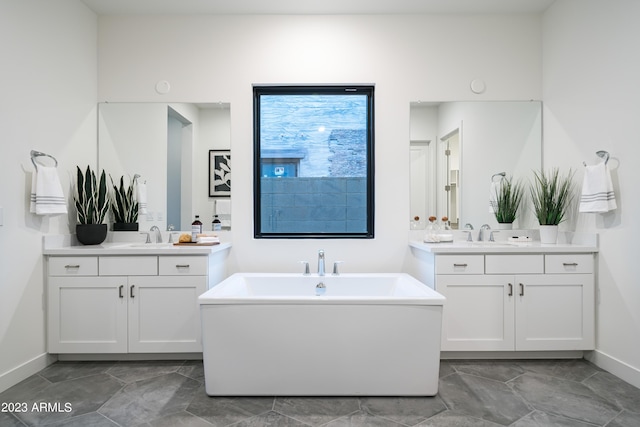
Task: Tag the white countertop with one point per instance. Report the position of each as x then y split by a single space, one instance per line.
534 247
130 248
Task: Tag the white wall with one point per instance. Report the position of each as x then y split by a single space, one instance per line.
591 94
218 58
48 82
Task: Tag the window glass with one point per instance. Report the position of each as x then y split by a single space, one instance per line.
313 161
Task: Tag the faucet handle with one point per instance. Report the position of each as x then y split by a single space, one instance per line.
469 237
306 267
335 268
148 236
491 237
171 234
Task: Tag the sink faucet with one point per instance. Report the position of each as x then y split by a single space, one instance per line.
158 233
321 262
481 233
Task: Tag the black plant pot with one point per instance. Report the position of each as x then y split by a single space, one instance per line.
125 226
91 234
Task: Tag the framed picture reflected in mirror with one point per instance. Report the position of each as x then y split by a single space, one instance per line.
219 173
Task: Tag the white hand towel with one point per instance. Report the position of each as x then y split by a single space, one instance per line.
141 197
493 196
208 239
597 190
223 207
32 204
47 197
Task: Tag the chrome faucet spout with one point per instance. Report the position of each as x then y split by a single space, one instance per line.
158 233
321 262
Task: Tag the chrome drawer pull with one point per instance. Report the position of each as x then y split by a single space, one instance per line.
510 290
570 264
120 291
72 266
131 291
182 265
460 265
521 290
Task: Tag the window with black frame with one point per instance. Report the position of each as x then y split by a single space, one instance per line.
313 161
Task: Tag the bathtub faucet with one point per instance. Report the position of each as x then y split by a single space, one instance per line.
321 262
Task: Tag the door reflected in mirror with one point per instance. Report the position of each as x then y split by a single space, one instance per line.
168 145
456 147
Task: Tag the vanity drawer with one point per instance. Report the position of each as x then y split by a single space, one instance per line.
128 265
568 263
514 264
73 266
460 264
183 265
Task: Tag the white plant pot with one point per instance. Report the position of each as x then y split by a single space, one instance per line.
504 226
548 234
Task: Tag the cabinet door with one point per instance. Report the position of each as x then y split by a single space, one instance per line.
479 312
555 312
87 315
164 316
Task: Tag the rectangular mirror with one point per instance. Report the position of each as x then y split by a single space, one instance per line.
168 145
456 149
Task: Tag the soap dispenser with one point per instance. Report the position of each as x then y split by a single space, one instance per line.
216 225
196 228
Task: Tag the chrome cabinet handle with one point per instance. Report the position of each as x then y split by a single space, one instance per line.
131 291
521 290
72 266
459 265
510 290
120 291
570 264
182 265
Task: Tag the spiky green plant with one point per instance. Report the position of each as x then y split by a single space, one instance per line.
551 195
90 197
508 197
124 208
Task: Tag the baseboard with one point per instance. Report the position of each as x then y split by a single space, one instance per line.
495 355
617 367
76 357
24 371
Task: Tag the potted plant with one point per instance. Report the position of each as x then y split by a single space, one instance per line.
551 195
508 197
124 207
92 204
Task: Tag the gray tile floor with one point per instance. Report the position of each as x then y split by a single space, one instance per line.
472 393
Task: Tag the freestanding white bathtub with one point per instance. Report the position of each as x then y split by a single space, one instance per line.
368 334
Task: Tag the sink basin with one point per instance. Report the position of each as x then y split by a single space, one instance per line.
144 246
491 244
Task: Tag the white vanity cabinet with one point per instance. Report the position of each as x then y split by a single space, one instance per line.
516 302
125 304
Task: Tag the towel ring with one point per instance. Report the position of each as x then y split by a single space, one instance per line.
35 154
603 155
500 174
